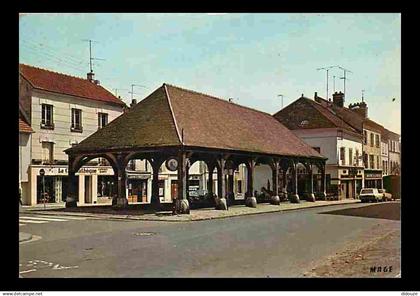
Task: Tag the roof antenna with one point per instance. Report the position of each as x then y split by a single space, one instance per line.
363 91
327 69
281 100
344 77
90 74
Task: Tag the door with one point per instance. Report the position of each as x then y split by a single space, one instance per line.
88 191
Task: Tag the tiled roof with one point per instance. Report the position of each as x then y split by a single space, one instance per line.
24 127
354 119
64 84
205 121
305 113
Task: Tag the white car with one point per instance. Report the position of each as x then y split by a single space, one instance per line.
370 194
386 196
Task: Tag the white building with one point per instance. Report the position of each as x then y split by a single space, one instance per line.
62 110
320 127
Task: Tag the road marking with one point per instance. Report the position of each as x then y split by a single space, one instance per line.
42 219
63 217
32 221
26 271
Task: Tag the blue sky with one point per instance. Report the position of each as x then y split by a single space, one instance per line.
249 57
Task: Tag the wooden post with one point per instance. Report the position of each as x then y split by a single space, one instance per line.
250 200
72 188
275 199
294 198
181 203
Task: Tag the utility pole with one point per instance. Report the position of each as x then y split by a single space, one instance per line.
344 77
281 100
327 69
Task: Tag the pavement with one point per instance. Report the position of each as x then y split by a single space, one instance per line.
136 213
275 244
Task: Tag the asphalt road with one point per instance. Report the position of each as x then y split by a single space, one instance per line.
265 245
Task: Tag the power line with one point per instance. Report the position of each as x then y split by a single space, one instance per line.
42 47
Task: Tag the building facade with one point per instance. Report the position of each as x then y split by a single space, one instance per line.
324 131
62 111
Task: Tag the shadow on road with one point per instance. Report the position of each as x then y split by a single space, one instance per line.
390 211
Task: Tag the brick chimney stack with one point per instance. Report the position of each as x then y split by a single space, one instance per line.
133 103
90 76
338 99
360 108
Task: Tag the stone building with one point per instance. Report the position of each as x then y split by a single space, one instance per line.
61 111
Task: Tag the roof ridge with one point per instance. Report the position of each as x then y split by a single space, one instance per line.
181 140
220 99
59 73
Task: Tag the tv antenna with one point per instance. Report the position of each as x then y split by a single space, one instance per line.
333 83
281 100
132 89
90 54
363 92
327 69
344 77
118 89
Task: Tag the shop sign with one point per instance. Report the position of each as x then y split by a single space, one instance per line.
373 175
95 171
334 182
138 176
52 171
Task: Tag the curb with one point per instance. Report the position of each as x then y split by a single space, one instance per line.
23 237
119 218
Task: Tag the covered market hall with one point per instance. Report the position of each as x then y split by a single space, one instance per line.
178 127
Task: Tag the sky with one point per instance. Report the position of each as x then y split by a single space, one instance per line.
252 58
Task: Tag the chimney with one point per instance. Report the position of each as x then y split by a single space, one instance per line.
360 108
90 76
338 99
97 82
133 102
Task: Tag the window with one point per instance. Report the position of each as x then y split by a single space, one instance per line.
102 120
47 116
365 137
317 149
343 155
350 156
371 139
377 140
47 152
76 120
371 161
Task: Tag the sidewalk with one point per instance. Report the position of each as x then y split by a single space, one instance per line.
195 215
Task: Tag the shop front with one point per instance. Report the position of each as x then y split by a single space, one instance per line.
373 179
49 184
350 183
137 185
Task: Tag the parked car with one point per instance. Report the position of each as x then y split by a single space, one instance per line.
370 194
386 196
